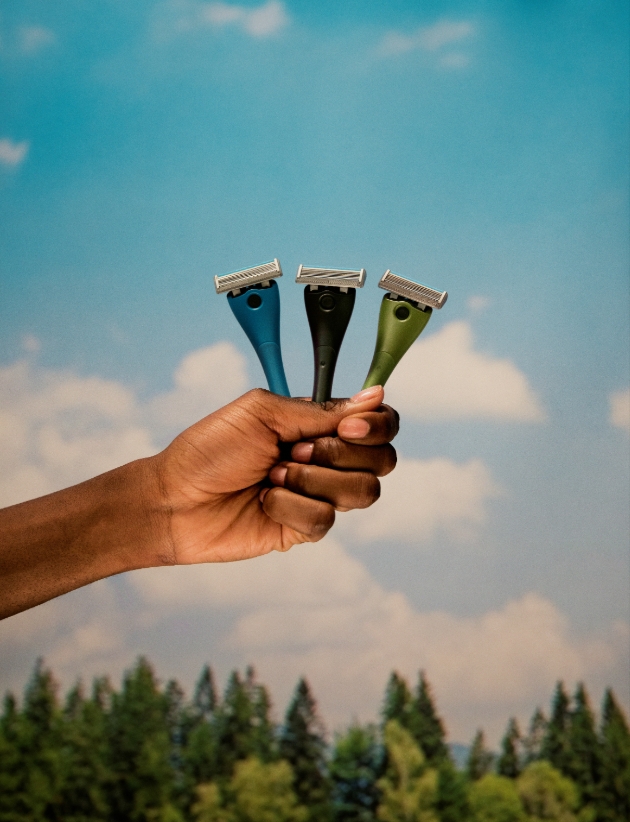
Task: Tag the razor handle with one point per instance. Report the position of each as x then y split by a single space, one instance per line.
257 310
400 323
328 309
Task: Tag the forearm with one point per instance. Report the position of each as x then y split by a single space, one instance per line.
113 523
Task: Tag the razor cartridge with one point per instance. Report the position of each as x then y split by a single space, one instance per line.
329 299
405 312
254 298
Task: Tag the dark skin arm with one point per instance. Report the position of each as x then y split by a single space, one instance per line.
259 475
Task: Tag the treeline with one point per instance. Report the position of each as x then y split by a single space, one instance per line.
147 754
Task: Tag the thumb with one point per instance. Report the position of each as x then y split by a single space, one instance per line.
294 419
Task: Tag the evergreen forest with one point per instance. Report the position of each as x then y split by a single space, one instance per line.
146 753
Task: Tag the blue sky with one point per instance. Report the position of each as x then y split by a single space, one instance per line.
479 147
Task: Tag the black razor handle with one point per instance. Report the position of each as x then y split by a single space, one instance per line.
328 310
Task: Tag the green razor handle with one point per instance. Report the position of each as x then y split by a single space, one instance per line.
404 314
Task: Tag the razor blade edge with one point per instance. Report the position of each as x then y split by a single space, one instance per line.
239 280
409 290
336 277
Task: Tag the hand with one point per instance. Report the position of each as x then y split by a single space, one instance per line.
231 491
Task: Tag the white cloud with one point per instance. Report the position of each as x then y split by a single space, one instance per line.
58 428
432 38
35 38
423 497
620 409
12 154
478 303
317 611
258 21
204 381
442 377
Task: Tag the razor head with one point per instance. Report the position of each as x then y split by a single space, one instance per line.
412 291
344 280
239 280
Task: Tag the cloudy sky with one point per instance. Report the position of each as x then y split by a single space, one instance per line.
478 147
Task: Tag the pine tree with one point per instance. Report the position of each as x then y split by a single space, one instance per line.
232 726
508 763
357 763
533 742
397 701
200 743
302 744
426 726
409 787
555 747
38 765
263 742
84 748
12 765
452 794
584 763
139 746
205 698
614 790
480 759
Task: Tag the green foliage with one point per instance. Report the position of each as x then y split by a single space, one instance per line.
264 793
426 726
140 747
555 746
409 787
30 752
205 699
546 794
258 792
241 725
509 761
397 701
86 776
614 788
452 794
303 746
584 762
357 763
480 759
147 753
533 743
495 799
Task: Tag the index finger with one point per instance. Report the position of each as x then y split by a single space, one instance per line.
370 427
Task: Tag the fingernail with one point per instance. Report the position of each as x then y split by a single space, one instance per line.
302 451
277 474
367 394
353 428
263 494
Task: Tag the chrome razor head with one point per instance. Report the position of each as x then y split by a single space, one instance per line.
344 280
415 292
239 280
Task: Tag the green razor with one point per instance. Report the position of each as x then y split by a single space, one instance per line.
405 311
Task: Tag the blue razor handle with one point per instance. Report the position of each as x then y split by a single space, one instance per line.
257 310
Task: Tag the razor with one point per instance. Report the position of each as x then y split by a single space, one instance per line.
254 298
329 299
405 311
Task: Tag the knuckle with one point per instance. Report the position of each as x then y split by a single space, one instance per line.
368 490
321 522
389 460
327 451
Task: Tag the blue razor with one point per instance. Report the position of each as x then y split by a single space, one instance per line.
254 298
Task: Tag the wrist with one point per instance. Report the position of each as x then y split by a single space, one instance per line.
139 513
